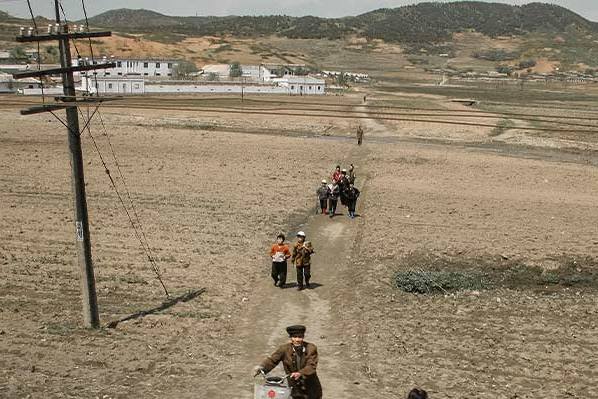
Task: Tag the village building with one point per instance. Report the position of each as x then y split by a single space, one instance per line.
147 67
302 85
8 84
122 85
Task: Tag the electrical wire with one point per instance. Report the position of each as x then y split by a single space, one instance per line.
127 191
90 45
39 54
140 236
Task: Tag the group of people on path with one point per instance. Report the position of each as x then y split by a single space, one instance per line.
300 358
342 186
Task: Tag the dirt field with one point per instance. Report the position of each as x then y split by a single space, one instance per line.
212 190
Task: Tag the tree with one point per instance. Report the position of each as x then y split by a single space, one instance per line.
342 79
18 53
504 69
52 54
212 77
184 68
525 64
235 70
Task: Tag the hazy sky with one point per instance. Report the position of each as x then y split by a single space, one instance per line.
324 8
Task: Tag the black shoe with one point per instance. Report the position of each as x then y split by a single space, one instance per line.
307 286
300 288
281 285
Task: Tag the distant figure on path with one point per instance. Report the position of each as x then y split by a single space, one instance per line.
333 194
351 195
343 186
322 193
279 253
359 135
336 176
352 176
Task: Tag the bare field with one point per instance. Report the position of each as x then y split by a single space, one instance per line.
214 180
210 203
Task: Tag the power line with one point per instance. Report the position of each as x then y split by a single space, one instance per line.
39 54
388 118
140 236
90 45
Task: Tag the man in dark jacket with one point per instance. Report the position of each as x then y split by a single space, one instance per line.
343 186
300 360
333 194
351 195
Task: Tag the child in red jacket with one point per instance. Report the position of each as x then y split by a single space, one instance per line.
279 253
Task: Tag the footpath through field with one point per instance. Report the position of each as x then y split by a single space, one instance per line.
323 309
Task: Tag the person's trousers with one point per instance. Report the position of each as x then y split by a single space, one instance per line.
279 273
323 204
303 272
351 205
332 206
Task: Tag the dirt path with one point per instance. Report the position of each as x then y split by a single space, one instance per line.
270 310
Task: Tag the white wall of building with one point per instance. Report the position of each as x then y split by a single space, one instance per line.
113 85
219 89
144 67
302 85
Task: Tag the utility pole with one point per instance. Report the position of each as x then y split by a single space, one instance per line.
70 103
242 88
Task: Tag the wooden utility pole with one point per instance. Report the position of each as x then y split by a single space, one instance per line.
70 103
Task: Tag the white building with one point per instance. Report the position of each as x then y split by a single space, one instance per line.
258 73
122 85
149 68
8 84
302 85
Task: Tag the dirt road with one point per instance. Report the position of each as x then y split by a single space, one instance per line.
270 309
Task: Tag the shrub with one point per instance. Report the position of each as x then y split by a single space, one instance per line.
426 282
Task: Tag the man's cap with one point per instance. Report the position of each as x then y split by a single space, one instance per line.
300 234
344 170
324 181
296 330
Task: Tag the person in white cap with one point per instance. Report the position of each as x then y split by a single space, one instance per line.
322 193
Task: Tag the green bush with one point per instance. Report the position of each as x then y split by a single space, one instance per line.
426 282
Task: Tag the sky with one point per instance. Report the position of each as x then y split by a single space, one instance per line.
322 8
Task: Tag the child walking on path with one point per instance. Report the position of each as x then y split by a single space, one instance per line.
279 253
301 258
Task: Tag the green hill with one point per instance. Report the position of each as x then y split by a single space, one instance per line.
424 22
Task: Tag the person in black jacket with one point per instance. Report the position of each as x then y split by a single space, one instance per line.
333 194
351 195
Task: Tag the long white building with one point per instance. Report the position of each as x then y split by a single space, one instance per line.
149 68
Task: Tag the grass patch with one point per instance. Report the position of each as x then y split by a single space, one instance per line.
430 274
428 282
501 127
165 37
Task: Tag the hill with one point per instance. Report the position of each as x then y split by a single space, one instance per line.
424 22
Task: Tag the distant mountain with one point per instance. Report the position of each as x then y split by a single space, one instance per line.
423 22
415 23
